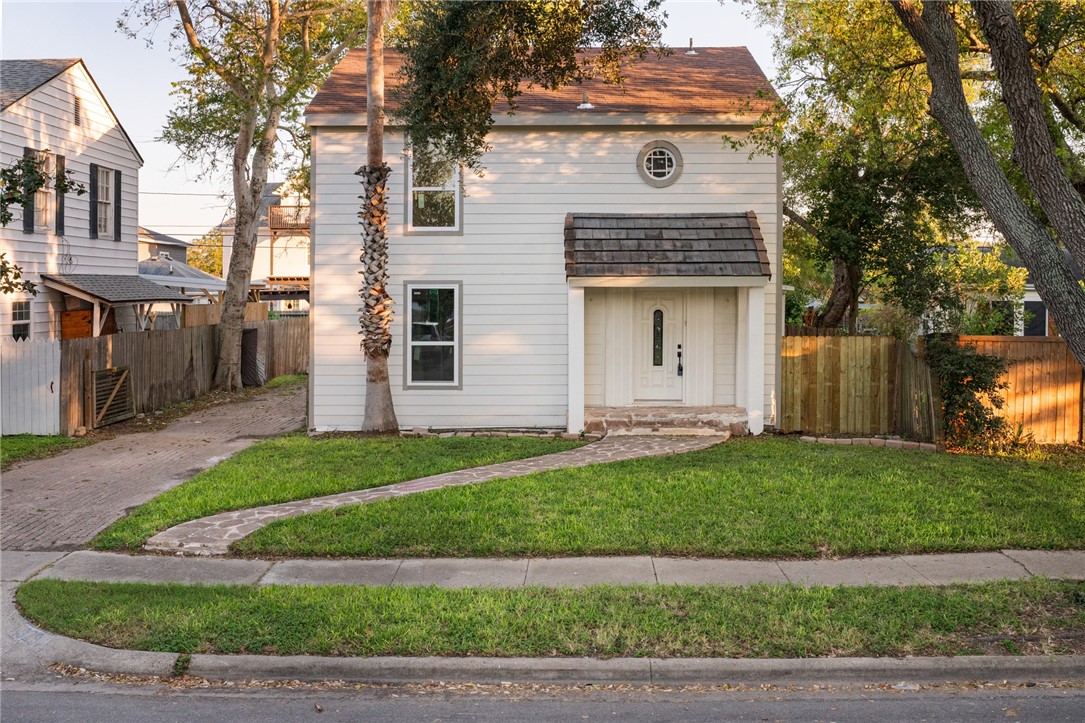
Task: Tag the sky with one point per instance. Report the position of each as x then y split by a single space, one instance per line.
136 79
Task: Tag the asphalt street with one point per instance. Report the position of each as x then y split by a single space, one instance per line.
118 703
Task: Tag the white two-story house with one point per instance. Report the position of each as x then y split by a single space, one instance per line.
616 259
79 250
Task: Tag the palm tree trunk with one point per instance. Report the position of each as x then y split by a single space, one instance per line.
376 310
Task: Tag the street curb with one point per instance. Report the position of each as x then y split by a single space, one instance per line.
638 671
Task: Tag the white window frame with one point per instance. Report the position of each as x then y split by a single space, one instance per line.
457 343
106 219
27 322
454 185
44 197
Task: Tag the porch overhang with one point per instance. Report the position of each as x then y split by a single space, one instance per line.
716 249
667 282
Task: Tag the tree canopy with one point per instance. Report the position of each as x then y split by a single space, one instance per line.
252 65
462 56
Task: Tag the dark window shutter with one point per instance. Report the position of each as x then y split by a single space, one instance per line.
60 196
1035 318
28 204
94 200
116 205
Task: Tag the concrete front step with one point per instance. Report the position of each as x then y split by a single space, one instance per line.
666 420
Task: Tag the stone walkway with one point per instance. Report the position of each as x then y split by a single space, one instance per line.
549 572
213 535
62 502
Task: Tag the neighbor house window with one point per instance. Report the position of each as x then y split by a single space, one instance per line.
433 342
20 320
43 197
105 203
433 198
659 163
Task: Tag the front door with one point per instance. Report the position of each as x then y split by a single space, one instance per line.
658 338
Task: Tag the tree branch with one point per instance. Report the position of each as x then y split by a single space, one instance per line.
204 54
800 221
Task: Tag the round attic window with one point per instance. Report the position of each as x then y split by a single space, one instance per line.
659 163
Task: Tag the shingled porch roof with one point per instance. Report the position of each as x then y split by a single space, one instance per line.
664 244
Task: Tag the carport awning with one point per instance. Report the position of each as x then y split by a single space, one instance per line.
104 291
113 290
665 244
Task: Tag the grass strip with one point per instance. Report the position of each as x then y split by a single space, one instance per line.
763 621
21 447
756 498
298 467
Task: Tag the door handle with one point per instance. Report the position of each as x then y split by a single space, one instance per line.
679 360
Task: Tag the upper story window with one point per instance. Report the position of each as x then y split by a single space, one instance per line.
105 203
44 196
433 199
20 320
659 163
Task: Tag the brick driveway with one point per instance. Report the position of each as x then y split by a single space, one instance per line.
62 502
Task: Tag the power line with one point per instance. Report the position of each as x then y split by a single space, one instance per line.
180 193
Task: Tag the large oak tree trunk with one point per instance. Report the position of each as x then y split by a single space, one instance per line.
934 30
376 310
843 301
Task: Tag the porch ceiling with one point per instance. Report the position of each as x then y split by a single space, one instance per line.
662 245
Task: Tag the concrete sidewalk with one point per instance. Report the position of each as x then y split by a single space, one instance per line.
28 650
61 502
549 572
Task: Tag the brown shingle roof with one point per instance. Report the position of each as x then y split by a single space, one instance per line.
715 80
664 244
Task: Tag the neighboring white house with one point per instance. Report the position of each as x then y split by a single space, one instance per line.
81 251
616 253
280 266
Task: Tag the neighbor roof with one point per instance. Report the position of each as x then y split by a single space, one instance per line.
664 244
118 289
175 274
149 236
715 80
21 76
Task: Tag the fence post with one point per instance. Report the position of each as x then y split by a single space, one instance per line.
88 391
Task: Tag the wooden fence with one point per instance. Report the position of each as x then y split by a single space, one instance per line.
1046 390
877 385
169 366
838 385
802 330
210 314
30 386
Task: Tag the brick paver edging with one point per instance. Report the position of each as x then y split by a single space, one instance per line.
873 442
213 535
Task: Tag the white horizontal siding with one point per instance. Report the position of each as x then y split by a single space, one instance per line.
510 261
44 120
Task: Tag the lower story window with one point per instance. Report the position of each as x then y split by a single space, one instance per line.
20 320
433 345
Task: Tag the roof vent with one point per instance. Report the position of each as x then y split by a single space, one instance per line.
584 104
691 51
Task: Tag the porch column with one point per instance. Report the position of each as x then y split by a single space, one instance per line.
575 417
755 358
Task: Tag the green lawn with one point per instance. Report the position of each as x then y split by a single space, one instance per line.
769 497
19 447
669 621
297 467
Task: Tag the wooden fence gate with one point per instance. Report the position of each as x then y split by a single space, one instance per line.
30 386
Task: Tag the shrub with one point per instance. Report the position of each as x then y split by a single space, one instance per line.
971 391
